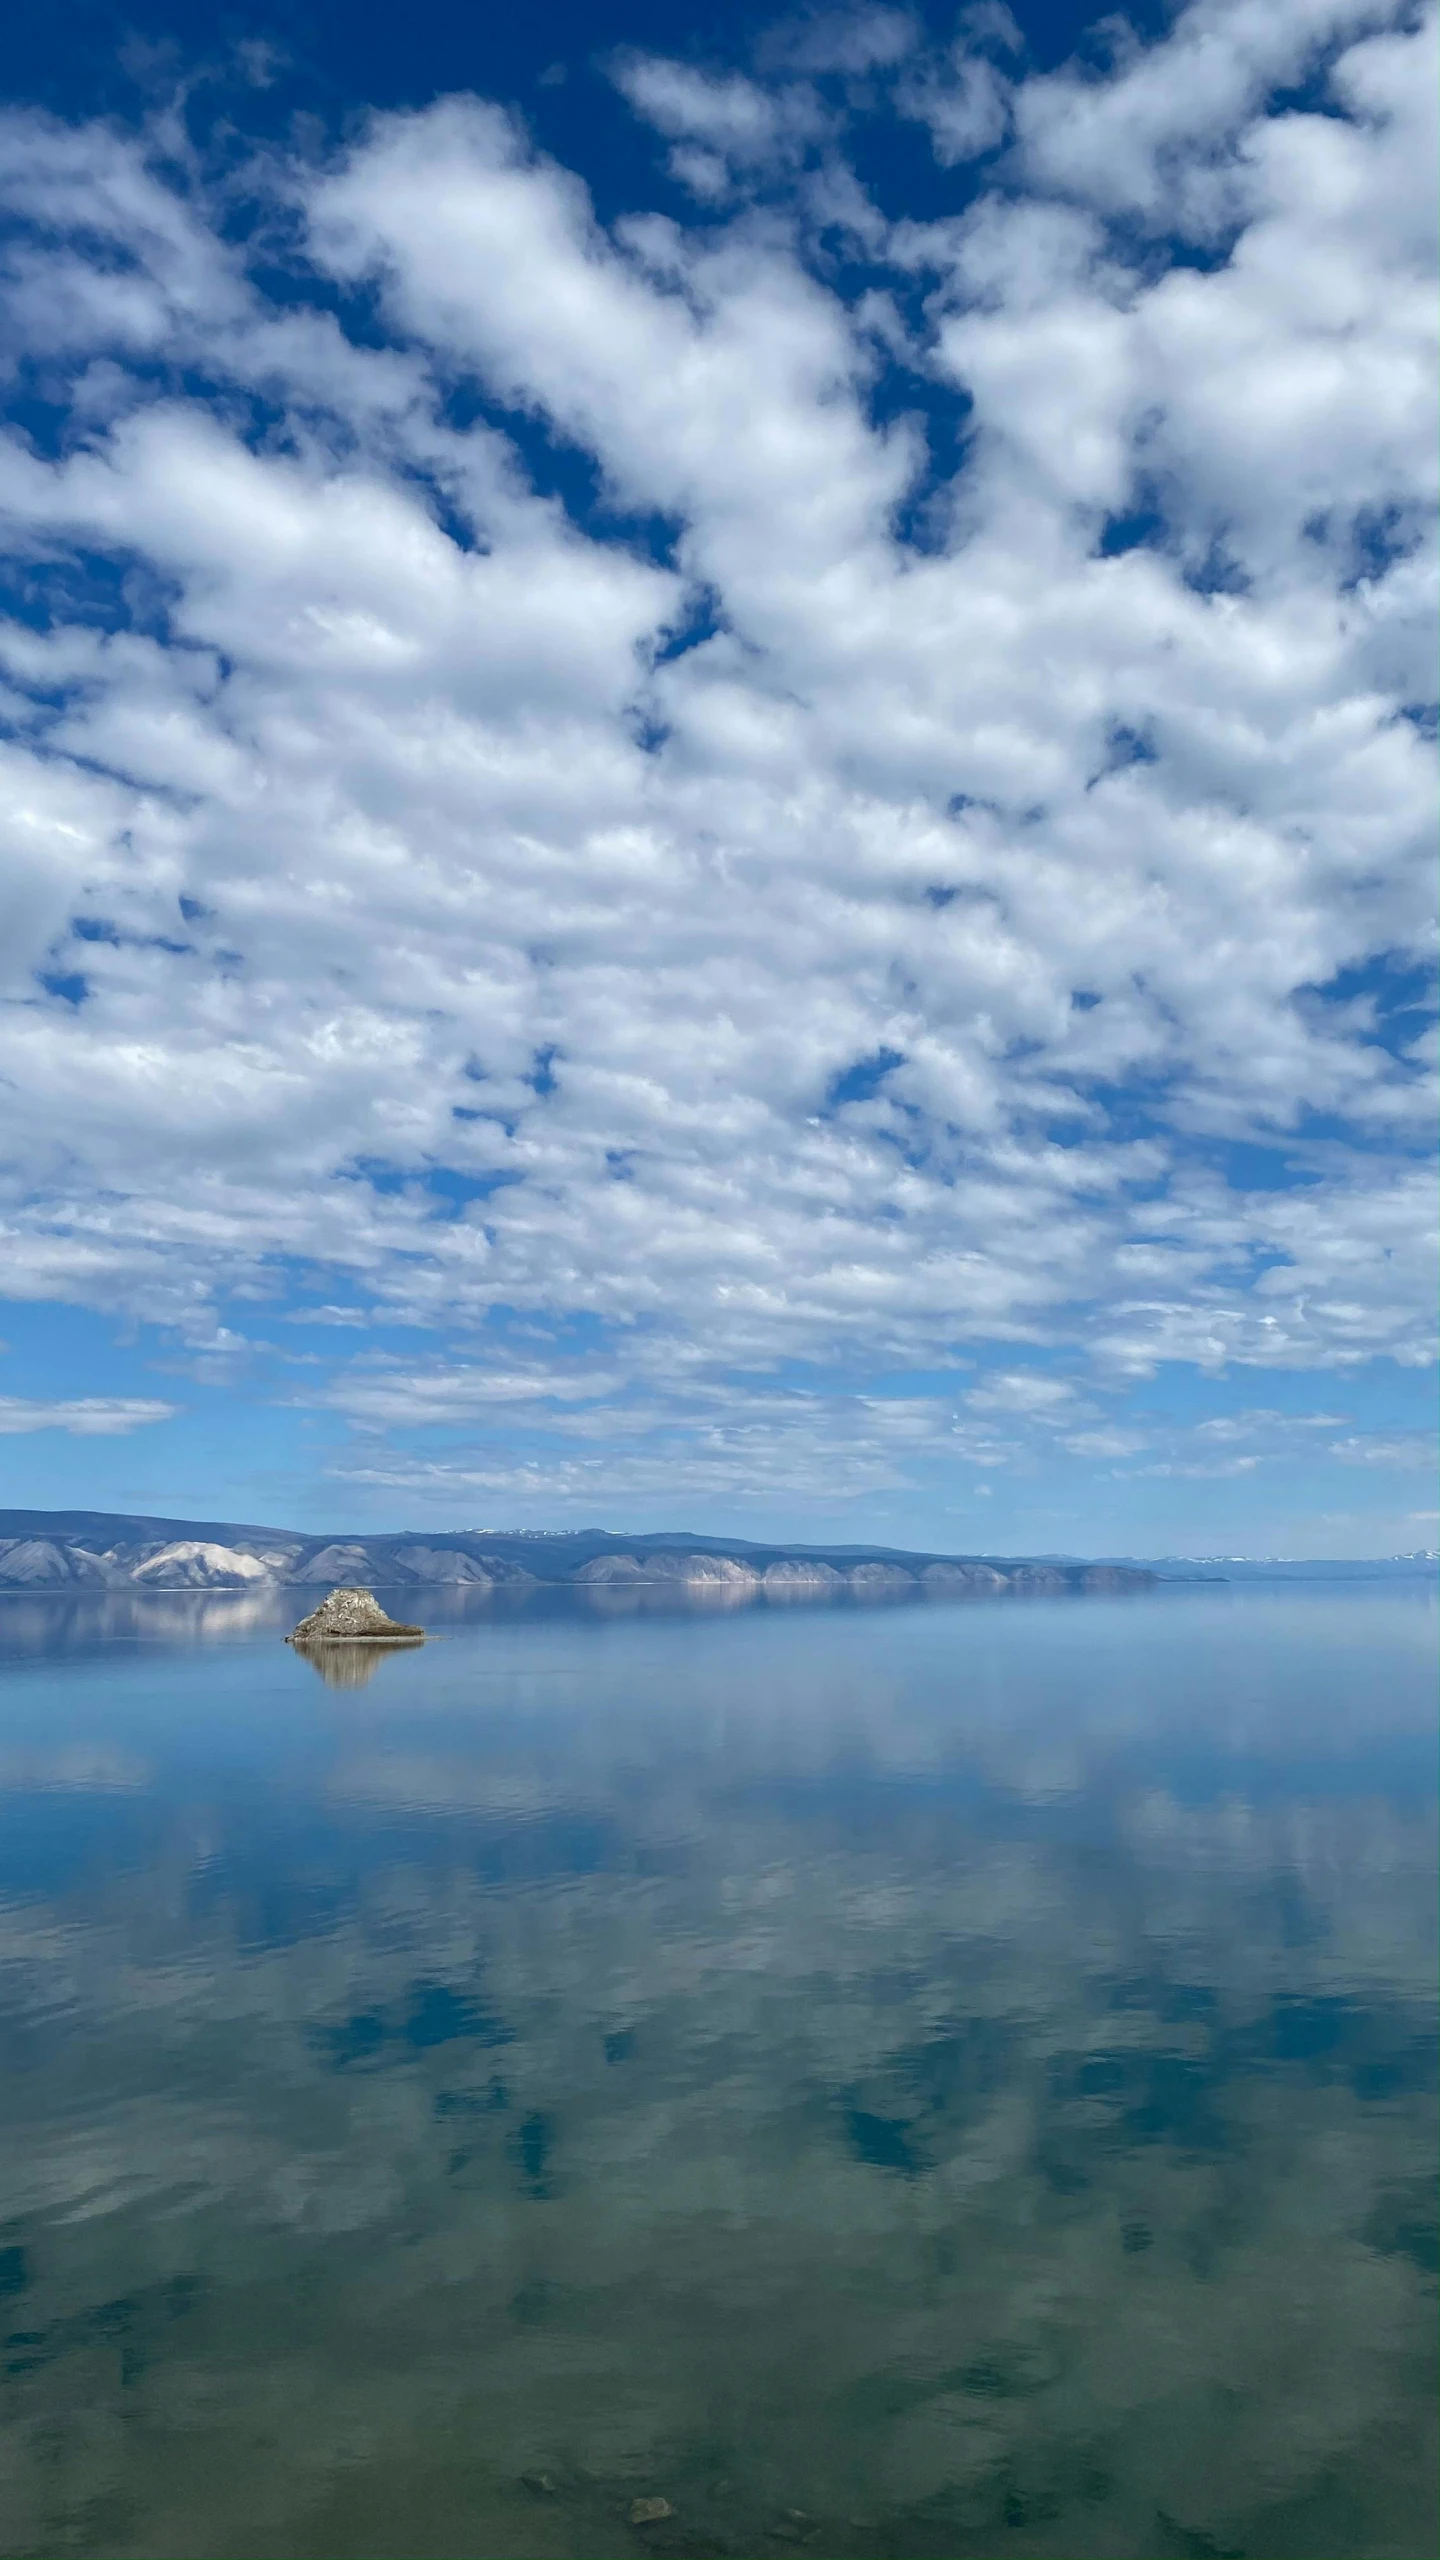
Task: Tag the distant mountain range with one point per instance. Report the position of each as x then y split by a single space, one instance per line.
105 1550
114 1550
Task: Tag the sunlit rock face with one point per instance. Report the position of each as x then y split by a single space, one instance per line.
33 1562
723 1573
333 1564
350 1614
114 1555
799 1579
880 1582
690 1572
957 1581
443 1564
198 1563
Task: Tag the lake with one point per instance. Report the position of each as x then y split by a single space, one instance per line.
930 2080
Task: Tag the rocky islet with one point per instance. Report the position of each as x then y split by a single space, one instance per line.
352 1615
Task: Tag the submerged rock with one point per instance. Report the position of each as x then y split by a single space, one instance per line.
351 1614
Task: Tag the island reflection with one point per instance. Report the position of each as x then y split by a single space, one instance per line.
353 1663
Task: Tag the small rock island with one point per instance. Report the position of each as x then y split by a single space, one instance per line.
352 1615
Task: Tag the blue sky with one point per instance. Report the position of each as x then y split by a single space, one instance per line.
720 795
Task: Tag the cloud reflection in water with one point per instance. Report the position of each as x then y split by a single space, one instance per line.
965 2076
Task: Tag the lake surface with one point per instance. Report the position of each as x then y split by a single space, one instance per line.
919 2081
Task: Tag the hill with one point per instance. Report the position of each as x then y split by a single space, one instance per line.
100 1550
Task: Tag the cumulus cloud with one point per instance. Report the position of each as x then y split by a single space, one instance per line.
722 128
1168 133
771 891
964 93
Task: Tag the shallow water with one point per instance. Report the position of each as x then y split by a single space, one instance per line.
917 2081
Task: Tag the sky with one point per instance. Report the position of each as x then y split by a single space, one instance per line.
719 804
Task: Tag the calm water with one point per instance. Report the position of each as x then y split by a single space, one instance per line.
939 2080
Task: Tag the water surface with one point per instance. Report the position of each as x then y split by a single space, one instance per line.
918 2081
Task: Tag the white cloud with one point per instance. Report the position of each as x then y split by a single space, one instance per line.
1386 1449
1256 1420
389 1393
1167 134
1203 1470
86 1417
1112 1440
733 115
964 98
849 41
743 1451
791 940
1022 1391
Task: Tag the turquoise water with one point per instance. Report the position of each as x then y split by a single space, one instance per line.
917 2081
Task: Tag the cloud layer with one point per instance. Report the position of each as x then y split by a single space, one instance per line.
776 783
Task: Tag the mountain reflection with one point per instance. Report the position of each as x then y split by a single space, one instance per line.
42 1624
898 2092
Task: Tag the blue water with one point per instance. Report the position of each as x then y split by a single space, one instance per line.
926 2080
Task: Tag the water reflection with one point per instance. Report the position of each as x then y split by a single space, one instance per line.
658 1599
43 1625
894 2087
353 1663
